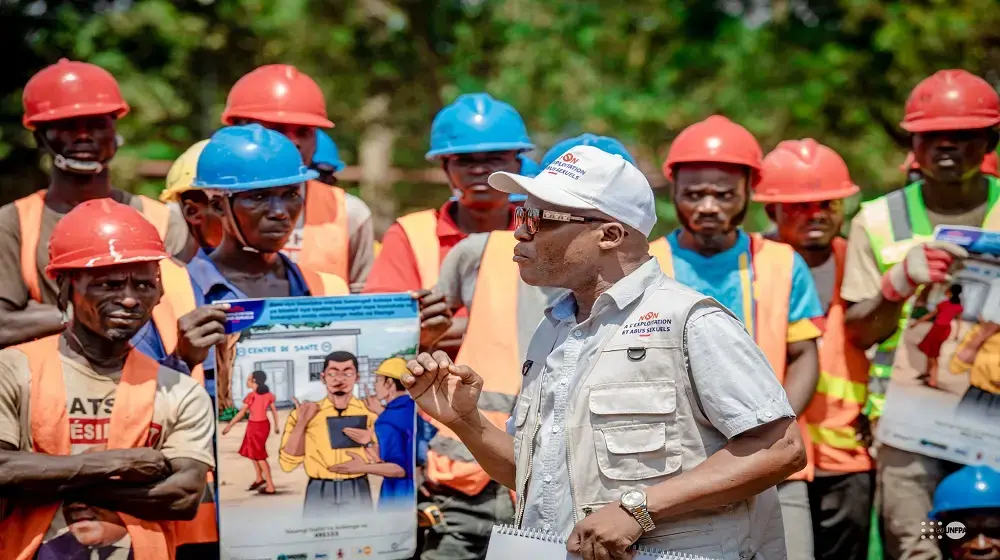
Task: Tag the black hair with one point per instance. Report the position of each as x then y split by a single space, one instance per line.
399 384
259 377
340 356
956 293
195 195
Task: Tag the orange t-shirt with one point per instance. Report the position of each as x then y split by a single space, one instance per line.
258 405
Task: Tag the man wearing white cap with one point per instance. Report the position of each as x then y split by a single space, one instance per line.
646 412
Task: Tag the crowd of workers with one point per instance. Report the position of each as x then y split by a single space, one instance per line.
112 308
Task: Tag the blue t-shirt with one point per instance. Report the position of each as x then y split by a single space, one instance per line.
394 430
721 276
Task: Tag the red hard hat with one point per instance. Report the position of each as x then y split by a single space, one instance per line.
277 93
715 140
99 233
69 89
989 166
804 171
951 100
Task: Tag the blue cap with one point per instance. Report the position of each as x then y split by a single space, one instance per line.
475 123
327 152
605 143
240 158
971 487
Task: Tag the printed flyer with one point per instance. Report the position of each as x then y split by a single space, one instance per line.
944 397
316 456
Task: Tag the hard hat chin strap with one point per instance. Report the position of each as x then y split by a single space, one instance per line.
228 214
77 166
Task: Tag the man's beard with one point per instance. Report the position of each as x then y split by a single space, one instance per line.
715 242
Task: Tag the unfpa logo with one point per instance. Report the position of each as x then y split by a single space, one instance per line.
570 158
938 530
649 316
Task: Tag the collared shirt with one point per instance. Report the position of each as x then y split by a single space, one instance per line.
736 385
719 276
211 286
319 456
395 269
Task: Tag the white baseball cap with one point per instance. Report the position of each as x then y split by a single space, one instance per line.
588 178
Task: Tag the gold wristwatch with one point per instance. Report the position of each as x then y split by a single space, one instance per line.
634 502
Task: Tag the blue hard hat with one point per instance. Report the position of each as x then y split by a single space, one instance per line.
604 143
240 158
971 487
476 122
327 152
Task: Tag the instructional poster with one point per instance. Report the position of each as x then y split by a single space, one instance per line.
944 397
316 453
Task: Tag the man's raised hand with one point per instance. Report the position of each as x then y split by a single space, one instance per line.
446 391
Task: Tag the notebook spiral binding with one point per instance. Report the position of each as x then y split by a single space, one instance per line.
538 534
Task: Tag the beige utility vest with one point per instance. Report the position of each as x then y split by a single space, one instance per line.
634 421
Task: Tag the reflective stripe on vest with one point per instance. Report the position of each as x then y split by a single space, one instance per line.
322 284
325 233
772 268
29 215
421 231
841 390
490 348
131 416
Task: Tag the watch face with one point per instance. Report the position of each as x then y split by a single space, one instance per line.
633 498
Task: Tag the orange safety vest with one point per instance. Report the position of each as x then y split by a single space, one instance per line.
323 284
325 234
29 214
490 348
22 532
841 391
772 288
421 231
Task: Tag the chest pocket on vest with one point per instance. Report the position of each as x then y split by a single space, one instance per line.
520 417
635 429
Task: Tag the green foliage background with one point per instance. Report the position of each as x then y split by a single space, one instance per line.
836 70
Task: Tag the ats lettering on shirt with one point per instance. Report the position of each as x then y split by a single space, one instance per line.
395 269
719 276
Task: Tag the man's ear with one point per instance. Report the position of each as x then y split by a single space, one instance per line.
612 235
191 212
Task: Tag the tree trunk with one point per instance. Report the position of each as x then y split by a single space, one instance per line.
375 159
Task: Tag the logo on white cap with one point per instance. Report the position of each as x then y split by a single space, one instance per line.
567 165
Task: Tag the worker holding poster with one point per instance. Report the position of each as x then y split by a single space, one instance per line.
333 473
944 397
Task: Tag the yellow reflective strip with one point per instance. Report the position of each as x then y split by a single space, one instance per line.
841 438
803 329
842 389
745 284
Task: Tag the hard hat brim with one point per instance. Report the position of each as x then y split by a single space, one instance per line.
479 148
86 263
117 110
942 124
253 185
514 184
817 196
278 117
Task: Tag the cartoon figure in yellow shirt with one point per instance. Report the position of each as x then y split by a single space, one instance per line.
336 430
979 356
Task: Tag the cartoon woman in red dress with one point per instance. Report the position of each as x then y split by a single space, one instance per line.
258 428
947 311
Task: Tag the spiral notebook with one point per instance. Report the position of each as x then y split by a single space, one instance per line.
511 543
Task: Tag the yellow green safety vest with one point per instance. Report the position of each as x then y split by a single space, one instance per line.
896 222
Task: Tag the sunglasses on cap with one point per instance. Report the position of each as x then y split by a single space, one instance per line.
531 218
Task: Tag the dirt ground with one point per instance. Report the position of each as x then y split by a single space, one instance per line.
236 473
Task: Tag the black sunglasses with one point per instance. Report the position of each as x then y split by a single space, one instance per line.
531 218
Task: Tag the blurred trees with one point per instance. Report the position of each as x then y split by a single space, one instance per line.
838 71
